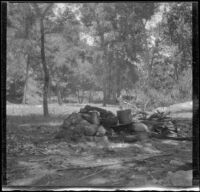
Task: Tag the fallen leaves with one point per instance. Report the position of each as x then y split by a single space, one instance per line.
180 178
120 164
176 163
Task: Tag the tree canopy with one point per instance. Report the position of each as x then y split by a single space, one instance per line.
79 48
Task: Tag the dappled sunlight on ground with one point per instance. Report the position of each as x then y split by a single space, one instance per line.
35 158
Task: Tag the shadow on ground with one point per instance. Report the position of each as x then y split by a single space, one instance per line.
35 158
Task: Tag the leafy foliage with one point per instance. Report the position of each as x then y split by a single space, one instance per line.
104 47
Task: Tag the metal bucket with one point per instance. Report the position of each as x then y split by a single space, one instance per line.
124 116
95 117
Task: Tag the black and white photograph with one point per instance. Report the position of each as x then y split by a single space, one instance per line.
100 95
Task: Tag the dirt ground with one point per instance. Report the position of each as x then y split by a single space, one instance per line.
35 158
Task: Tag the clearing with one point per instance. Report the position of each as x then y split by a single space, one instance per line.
35 158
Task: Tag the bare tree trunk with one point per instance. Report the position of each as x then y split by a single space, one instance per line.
148 58
26 79
109 82
104 96
104 59
78 96
118 81
41 15
90 96
150 65
49 90
176 72
45 69
60 102
83 96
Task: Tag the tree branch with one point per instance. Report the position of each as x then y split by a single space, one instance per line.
46 10
37 9
14 27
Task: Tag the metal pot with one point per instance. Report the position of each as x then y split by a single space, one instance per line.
95 117
124 116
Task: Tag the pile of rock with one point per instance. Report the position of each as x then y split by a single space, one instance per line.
104 117
95 124
76 128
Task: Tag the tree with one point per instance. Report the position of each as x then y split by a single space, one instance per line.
164 61
124 51
41 12
20 26
118 29
94 17
63 50
177 31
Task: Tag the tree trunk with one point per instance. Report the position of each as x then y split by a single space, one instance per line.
60 102
103 48
90 96
104 96
26 79
83 95
118 81
45 69
49 90
150 65
148 59
176 72
78 96
109 82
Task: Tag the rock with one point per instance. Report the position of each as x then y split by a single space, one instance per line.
140 127
130 138
72 119
59 135
180 178
84 123
109 121
72 128
66 124
91 144
95 117
142 136
76 118
133 176
76 128
101 131
103 141
89 138
87 117
103 113
97 139
90 130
